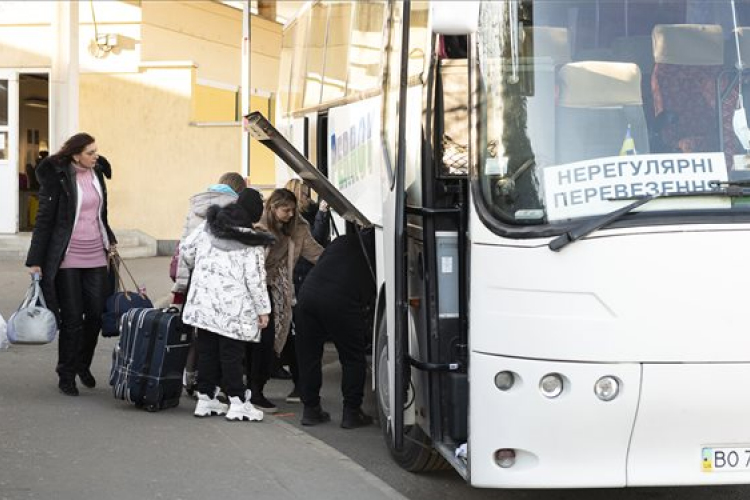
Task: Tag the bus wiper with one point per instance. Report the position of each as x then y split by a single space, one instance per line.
721 188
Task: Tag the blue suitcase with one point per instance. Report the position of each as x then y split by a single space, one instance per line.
148 361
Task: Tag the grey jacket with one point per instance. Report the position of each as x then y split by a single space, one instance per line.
199 205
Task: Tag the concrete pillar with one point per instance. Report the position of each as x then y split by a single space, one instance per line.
245 85
267 9
64 74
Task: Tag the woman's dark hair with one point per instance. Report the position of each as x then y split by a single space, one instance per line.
73 146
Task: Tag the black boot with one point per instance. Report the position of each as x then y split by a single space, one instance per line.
314 415
260 401
87 378
354 417
68 387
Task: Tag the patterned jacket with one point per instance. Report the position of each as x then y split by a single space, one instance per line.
228 286
199 205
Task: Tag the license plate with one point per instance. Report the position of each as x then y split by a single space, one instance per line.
726 459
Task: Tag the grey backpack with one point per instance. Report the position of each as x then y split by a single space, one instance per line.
32 323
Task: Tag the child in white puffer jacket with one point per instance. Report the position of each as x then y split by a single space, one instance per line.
227 301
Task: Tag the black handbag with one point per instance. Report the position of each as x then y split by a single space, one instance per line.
121 300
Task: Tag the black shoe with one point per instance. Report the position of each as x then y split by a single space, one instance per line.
260 402
87 378
294 397
355 417
314 415
281 373
68 387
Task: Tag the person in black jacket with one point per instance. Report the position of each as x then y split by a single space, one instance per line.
69 248
333 303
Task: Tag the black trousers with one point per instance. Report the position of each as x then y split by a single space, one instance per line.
220 364
319 317
81 294
260 356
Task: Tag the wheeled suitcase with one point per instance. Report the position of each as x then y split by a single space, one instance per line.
148 361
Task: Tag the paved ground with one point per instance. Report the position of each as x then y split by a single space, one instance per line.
94 447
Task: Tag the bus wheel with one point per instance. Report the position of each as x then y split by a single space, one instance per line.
417 454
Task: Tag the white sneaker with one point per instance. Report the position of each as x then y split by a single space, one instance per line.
243 410
208 406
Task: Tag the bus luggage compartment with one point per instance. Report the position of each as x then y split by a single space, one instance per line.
692 426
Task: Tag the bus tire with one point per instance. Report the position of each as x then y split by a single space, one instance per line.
417 454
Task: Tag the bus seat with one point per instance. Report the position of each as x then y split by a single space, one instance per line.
599 104
688 59
744 37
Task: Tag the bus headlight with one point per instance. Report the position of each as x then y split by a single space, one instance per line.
551 385
505 380
607 388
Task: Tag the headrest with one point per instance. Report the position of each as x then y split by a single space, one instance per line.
552 43
689 44
744 36
599 84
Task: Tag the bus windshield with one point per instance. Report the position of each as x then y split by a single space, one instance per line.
585 105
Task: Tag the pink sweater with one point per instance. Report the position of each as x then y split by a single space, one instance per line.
86 247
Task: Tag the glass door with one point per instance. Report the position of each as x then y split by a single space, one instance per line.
9 173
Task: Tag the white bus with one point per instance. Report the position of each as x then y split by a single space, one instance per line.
558 189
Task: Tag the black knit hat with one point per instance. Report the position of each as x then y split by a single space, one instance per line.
252 202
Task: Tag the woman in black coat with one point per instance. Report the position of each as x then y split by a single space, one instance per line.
69 249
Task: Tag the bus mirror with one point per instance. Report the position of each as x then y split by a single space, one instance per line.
455 18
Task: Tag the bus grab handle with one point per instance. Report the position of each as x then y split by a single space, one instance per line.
433 367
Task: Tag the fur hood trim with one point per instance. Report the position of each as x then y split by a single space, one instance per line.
51 169
221 227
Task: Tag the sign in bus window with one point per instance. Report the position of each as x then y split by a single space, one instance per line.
588 187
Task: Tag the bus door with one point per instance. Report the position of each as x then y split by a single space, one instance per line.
436 261
422 395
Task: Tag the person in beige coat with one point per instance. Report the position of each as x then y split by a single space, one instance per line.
293 239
